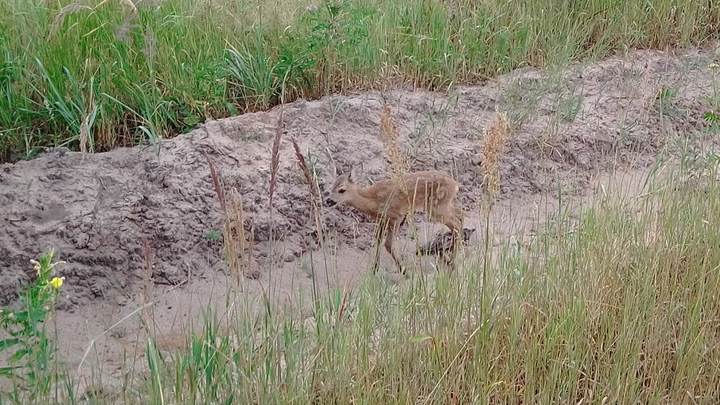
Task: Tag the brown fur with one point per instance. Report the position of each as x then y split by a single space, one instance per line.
390 201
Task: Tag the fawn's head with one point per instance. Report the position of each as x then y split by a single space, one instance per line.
343 190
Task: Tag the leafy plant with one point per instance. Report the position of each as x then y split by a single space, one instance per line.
665 102
570 106
30 349
712 117
213 235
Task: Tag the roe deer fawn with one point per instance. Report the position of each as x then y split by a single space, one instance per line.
390 201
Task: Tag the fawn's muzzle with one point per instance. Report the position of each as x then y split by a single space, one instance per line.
330 202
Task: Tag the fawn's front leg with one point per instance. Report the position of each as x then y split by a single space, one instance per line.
379 236
389 236
386 232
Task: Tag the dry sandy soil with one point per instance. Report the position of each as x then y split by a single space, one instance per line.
143 225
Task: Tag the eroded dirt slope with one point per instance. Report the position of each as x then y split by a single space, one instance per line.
103 213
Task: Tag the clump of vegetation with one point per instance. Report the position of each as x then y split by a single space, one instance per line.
665 102
96 74
712 117
24 340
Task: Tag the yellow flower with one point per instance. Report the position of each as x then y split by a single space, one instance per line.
57 282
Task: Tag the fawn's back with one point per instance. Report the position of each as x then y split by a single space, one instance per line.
419 191
428 191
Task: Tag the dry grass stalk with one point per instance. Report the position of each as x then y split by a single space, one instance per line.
146 315
237 213
343 306
150 47
389 135
127 5
275 158
131 13
312 188
59 19
492 151
217 184
84 134
309 178
398 162
235 240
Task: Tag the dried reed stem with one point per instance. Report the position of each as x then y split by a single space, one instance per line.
235 241
235 238
127 5
398 165
217 184
146 316
59 19
309 178
389 135
313 189
275 158
492 151
84 135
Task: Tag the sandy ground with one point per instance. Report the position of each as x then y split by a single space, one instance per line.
142 226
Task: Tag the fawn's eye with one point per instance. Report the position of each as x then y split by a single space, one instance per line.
342 190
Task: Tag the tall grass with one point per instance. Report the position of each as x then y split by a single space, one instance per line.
103 74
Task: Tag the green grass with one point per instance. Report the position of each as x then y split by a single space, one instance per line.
101 75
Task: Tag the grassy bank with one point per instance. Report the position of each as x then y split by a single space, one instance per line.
96 74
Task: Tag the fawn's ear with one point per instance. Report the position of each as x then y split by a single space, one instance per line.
350 175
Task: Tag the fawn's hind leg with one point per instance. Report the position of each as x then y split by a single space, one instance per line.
378 238
389 237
